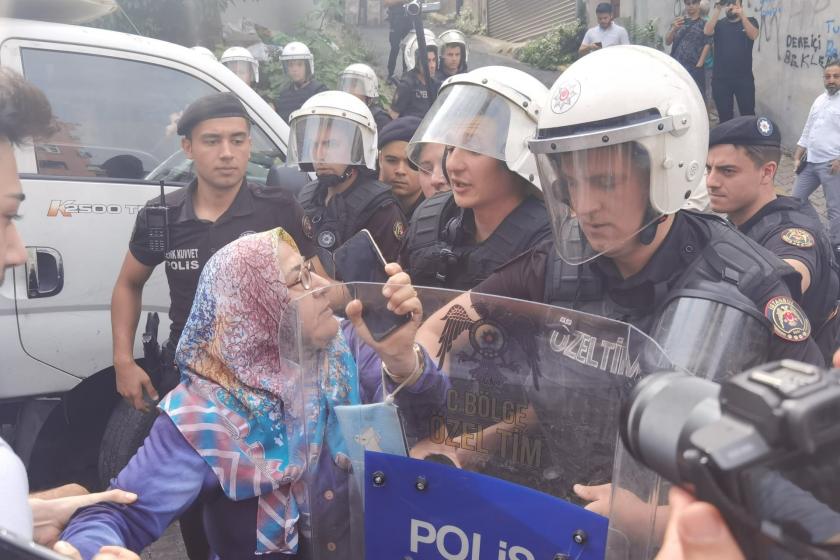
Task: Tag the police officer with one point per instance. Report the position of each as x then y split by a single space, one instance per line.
361 81
299 65
218 206
241 62
334 135
495 209
414 96
454 54
615 173
395 169
744 155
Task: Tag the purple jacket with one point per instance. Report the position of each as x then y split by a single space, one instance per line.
168 475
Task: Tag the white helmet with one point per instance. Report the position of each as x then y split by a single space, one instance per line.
345 120
204 51
492 111
591 136
411 46
241 61
359 79
452 37
298 51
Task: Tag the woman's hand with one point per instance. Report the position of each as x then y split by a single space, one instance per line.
397 349
49 517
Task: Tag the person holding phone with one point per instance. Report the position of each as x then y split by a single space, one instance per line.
237 432
606 34
495 209
732 75
689 44
334 135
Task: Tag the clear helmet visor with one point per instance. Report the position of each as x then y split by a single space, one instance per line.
599 199
354 84
473 118
324 139
242 68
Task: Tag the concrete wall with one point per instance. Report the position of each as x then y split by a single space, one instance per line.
795 38
279 15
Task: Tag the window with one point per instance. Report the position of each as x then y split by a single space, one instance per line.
117 118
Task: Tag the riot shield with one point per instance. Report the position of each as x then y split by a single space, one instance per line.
517 402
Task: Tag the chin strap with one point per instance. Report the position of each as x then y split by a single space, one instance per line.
648 233
329 181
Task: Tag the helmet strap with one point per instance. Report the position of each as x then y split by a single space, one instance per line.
648 233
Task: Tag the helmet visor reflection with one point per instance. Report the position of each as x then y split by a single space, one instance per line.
598 199
323 139
354 84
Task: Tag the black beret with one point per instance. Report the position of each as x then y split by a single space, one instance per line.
402 128
746 131
213 106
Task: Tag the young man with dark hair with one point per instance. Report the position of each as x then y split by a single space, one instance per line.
818 150
690 46
606 34
732 76
744 155
395 169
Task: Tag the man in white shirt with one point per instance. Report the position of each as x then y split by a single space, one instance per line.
820 148
606 34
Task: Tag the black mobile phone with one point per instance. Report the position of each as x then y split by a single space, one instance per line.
14 547
360 260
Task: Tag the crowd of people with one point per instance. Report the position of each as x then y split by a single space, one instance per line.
482 181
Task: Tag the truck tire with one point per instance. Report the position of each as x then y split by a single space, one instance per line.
124 434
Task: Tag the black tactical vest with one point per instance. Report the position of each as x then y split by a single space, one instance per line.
728 262
291 99
439 256
821 298
346 213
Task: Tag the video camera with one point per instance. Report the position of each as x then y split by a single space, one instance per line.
763 447
417 7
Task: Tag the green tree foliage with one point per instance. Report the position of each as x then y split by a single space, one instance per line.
558 47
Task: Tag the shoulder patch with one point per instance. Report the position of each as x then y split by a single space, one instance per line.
399 230
798 237
789 321
306 226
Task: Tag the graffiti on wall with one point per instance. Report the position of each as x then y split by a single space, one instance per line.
803 34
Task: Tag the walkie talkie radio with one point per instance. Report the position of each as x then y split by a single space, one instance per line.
157 224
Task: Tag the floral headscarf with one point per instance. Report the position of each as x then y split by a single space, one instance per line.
240 402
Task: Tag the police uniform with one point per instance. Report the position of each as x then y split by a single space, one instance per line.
441 251
290 99
412 97
366 204
380 116
192 241
791 229
698 247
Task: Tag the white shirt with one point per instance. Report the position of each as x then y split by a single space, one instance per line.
821 135
612 35
15 513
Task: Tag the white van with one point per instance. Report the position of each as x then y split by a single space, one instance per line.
116 97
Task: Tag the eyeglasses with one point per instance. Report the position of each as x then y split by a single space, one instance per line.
304 276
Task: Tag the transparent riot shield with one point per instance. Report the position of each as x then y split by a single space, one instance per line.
512 403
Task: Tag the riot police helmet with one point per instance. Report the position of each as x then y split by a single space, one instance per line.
410 55
612 167
298 51
332 127
242 63
454 38
492 111
360 80
205 52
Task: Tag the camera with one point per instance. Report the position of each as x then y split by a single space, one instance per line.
727 2
417 7
762 446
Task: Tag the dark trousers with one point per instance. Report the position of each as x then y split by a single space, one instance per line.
742 89
699 75
395 37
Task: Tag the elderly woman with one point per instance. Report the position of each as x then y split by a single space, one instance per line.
243 432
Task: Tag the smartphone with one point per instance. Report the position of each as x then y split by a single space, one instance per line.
360 260
13 547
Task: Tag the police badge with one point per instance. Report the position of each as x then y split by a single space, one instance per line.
798 237
788 320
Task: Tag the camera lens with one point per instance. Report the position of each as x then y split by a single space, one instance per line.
413 8
661 412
